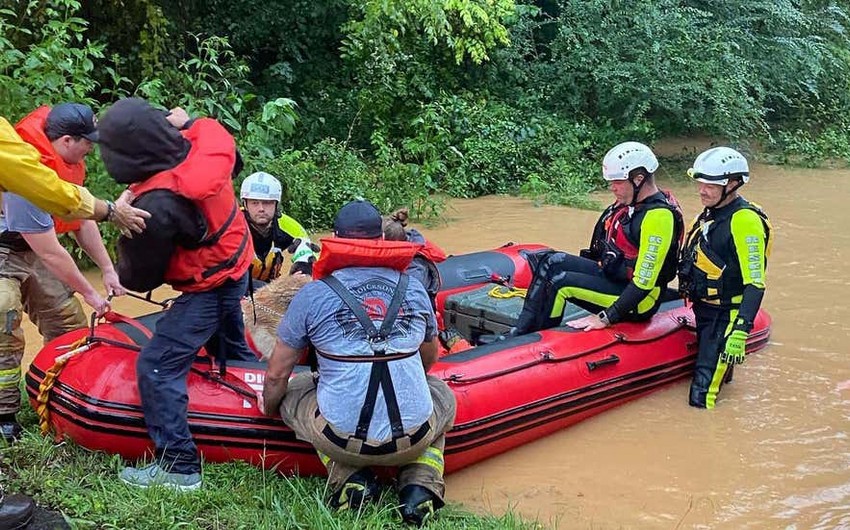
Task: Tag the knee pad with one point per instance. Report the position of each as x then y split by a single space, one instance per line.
11 309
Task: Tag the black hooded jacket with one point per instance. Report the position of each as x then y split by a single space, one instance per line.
137 142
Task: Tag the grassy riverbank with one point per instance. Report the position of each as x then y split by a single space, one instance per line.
84 486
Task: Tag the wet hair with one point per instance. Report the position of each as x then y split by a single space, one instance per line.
394 225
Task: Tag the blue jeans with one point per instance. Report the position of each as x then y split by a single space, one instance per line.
164 364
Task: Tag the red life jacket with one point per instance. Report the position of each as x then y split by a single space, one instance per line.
31 129
619 232
205 179
339 253
432 252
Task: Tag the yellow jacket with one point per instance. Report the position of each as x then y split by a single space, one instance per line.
22 173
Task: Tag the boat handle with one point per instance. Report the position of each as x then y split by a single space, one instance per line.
593 365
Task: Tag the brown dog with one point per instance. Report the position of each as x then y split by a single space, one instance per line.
270 302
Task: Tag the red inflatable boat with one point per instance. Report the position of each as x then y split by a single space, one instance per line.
508 393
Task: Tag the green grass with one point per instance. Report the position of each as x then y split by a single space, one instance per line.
84 486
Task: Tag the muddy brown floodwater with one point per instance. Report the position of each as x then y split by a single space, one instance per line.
773 454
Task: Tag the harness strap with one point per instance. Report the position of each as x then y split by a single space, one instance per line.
387 357
214 237
231 261
380 374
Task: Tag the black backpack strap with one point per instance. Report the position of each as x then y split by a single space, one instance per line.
380 375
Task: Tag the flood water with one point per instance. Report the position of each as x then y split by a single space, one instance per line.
773 454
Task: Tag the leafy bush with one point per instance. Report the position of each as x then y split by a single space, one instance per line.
50 61
320 180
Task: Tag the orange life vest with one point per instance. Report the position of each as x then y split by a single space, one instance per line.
339 253
31 129
205 179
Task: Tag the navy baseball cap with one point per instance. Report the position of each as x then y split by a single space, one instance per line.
73 119
359 220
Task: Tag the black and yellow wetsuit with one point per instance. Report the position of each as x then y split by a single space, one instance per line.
269 247
722 270
631 259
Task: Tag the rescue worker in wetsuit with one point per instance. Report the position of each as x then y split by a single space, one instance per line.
632 254
181 169
273 231
722 269
374 333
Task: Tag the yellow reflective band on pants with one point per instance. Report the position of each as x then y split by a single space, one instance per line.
433 458
572 292
10 378
325 459
721 369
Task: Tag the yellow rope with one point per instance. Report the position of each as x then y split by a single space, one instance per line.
511 292
50 379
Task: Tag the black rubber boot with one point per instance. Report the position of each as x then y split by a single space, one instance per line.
10 431
360 488
418 504
15 512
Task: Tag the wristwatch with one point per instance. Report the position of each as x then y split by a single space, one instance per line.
110 211
603 316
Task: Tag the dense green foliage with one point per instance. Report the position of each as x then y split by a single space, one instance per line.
406 101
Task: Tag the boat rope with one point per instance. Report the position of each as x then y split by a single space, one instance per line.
49 380
165 304
77 347
548 357
246 391
511 292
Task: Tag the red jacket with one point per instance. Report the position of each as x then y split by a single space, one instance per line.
31 129
205 179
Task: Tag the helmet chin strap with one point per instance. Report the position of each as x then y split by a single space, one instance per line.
636 189
726 193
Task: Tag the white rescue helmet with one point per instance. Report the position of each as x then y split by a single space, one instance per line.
718 165
626 157
260 186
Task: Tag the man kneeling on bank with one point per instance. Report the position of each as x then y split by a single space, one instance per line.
374 332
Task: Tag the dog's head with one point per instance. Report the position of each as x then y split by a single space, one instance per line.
270 302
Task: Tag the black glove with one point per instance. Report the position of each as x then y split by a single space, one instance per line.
302 267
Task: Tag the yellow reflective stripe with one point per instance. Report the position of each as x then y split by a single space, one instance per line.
565 294
324 458
656 235
720 369
433 458
10 378
748 234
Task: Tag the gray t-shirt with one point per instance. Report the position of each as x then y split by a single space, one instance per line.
22 216
317 315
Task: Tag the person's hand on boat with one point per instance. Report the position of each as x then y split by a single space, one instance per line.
97 302
588 323
112 284
261 403
735 348
127 218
